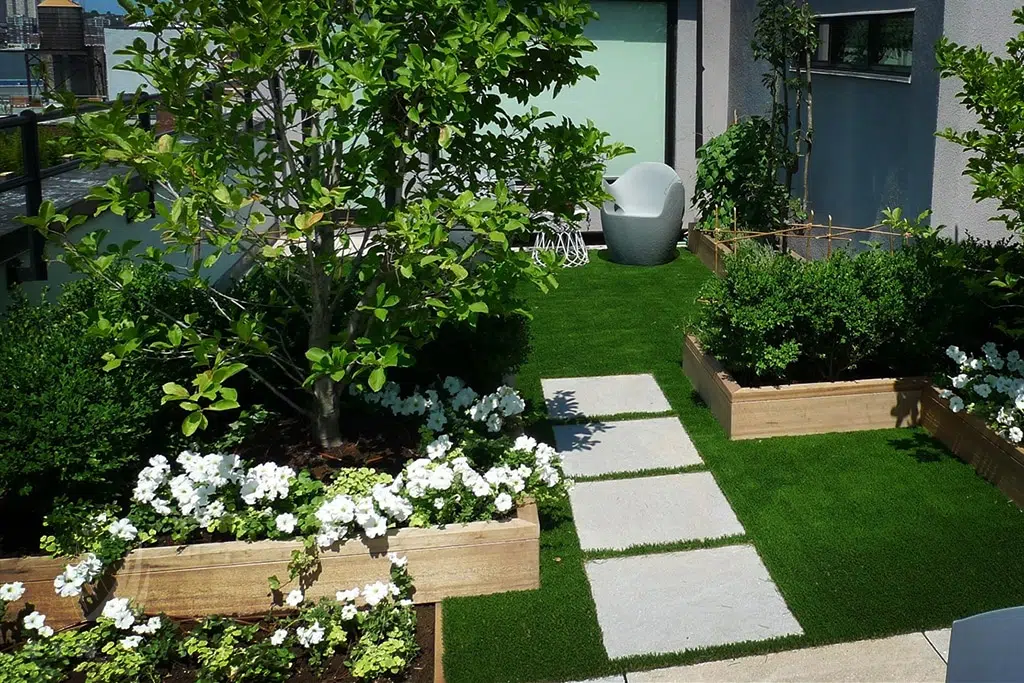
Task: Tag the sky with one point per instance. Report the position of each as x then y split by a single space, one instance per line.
101 6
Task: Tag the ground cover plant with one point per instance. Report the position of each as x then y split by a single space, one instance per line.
866 534
773 319
327 640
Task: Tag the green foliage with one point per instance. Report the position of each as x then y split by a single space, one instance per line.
68 429
228 651
774 319
381 88
55 147
991 90
736 174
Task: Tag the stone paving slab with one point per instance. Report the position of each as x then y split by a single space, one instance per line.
903 658
670 602
619 513
630 446
599 396
606 679
940 641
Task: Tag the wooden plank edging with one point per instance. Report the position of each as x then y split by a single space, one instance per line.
230 578
811 408
439 643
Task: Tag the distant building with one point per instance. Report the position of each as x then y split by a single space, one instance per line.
20 8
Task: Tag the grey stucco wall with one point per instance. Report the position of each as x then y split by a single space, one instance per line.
716 49
747 96
969 22
686 101
874 142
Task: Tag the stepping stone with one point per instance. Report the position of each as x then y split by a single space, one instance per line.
670 602
608 447
620 513
602 396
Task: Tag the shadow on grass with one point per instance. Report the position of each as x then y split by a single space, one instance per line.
920 445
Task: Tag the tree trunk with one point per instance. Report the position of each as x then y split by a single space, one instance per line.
325 389
785 134
808 135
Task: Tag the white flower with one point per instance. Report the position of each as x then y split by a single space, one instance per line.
439 503
503 502
959 381
310 636
286 522
975 364
9 592
525 443
494 423
131 642
398 561
45 631
982 390
463 399
123 529
151 626
279 636
373 593
453 385
294 598
347 596
69 583
436 420
480 488
266 481
953 352
509 402
441 478
1016 434
119 610
439 447
34 621
945 393
956 404
349 612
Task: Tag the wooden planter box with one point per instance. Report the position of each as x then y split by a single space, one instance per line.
971 440
711 253
814 408
230 578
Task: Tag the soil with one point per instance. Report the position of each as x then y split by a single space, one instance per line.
421 670
371 438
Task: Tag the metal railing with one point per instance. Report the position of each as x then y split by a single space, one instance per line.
16 242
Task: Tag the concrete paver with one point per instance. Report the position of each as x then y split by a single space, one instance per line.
601 396
600 448
670 602
619 513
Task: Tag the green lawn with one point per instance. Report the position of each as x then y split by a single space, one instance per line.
866 534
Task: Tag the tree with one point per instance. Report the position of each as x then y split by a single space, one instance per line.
786 37
993 89
365 132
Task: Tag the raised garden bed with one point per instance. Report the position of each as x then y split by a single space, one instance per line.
710 252
971 440
230 578
812 408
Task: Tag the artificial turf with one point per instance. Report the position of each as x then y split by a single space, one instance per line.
866 534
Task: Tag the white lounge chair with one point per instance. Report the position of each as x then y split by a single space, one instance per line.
643 223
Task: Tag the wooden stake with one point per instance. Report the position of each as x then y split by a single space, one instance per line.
829 236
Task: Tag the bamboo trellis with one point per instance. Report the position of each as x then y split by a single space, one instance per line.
807 232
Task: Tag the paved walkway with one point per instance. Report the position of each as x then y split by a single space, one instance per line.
652 497
907 658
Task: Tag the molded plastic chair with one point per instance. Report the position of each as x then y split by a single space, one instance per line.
987 647
644 222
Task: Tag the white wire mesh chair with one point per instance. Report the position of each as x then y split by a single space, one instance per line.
562 237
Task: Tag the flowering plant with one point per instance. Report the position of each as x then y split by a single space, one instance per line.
476 476
378 636
991 387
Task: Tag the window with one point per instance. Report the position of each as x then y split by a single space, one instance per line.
866 43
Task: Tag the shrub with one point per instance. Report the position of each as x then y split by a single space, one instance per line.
67 428
736 171
773 319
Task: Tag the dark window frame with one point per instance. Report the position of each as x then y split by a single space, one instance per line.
875 21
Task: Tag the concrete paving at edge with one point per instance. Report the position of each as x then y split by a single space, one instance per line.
671 602
601 396
598 448
619 513
905 658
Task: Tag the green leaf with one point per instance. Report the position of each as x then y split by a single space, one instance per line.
175 391
478 307
316 355
460 272
484 205
193 422
223 404
377 378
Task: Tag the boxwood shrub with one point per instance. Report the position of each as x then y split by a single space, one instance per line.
69 430
773 319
